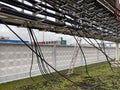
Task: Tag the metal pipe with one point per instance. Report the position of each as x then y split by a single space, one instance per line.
105 6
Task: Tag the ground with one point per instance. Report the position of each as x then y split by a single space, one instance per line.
101 78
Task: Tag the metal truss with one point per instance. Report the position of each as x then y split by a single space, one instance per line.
88 17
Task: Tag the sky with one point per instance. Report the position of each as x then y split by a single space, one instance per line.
22 32
48 36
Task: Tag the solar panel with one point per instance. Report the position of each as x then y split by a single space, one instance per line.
89 17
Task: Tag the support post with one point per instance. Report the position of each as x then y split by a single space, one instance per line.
117 51
98 60
54 56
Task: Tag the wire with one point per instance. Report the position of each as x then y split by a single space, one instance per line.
38 50
41 57
42 63
86 67
94 86
98 49
30 73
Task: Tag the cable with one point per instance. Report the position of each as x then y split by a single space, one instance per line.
44 66
94 86
100 50
86 67
30 73
40 56
40 62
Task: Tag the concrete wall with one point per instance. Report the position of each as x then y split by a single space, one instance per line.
15 60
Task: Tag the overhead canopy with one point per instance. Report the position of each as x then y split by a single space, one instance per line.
90 18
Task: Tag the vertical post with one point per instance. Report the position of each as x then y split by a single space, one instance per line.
98 60
82 59
54 56
117 51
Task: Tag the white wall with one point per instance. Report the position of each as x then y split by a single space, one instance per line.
15 60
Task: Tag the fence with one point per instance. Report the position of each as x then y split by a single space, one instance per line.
15 59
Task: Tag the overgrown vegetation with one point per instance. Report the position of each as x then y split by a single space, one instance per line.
102 78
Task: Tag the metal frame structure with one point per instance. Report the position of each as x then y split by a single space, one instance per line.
96 17
83 18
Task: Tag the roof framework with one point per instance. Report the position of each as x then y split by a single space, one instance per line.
90 18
